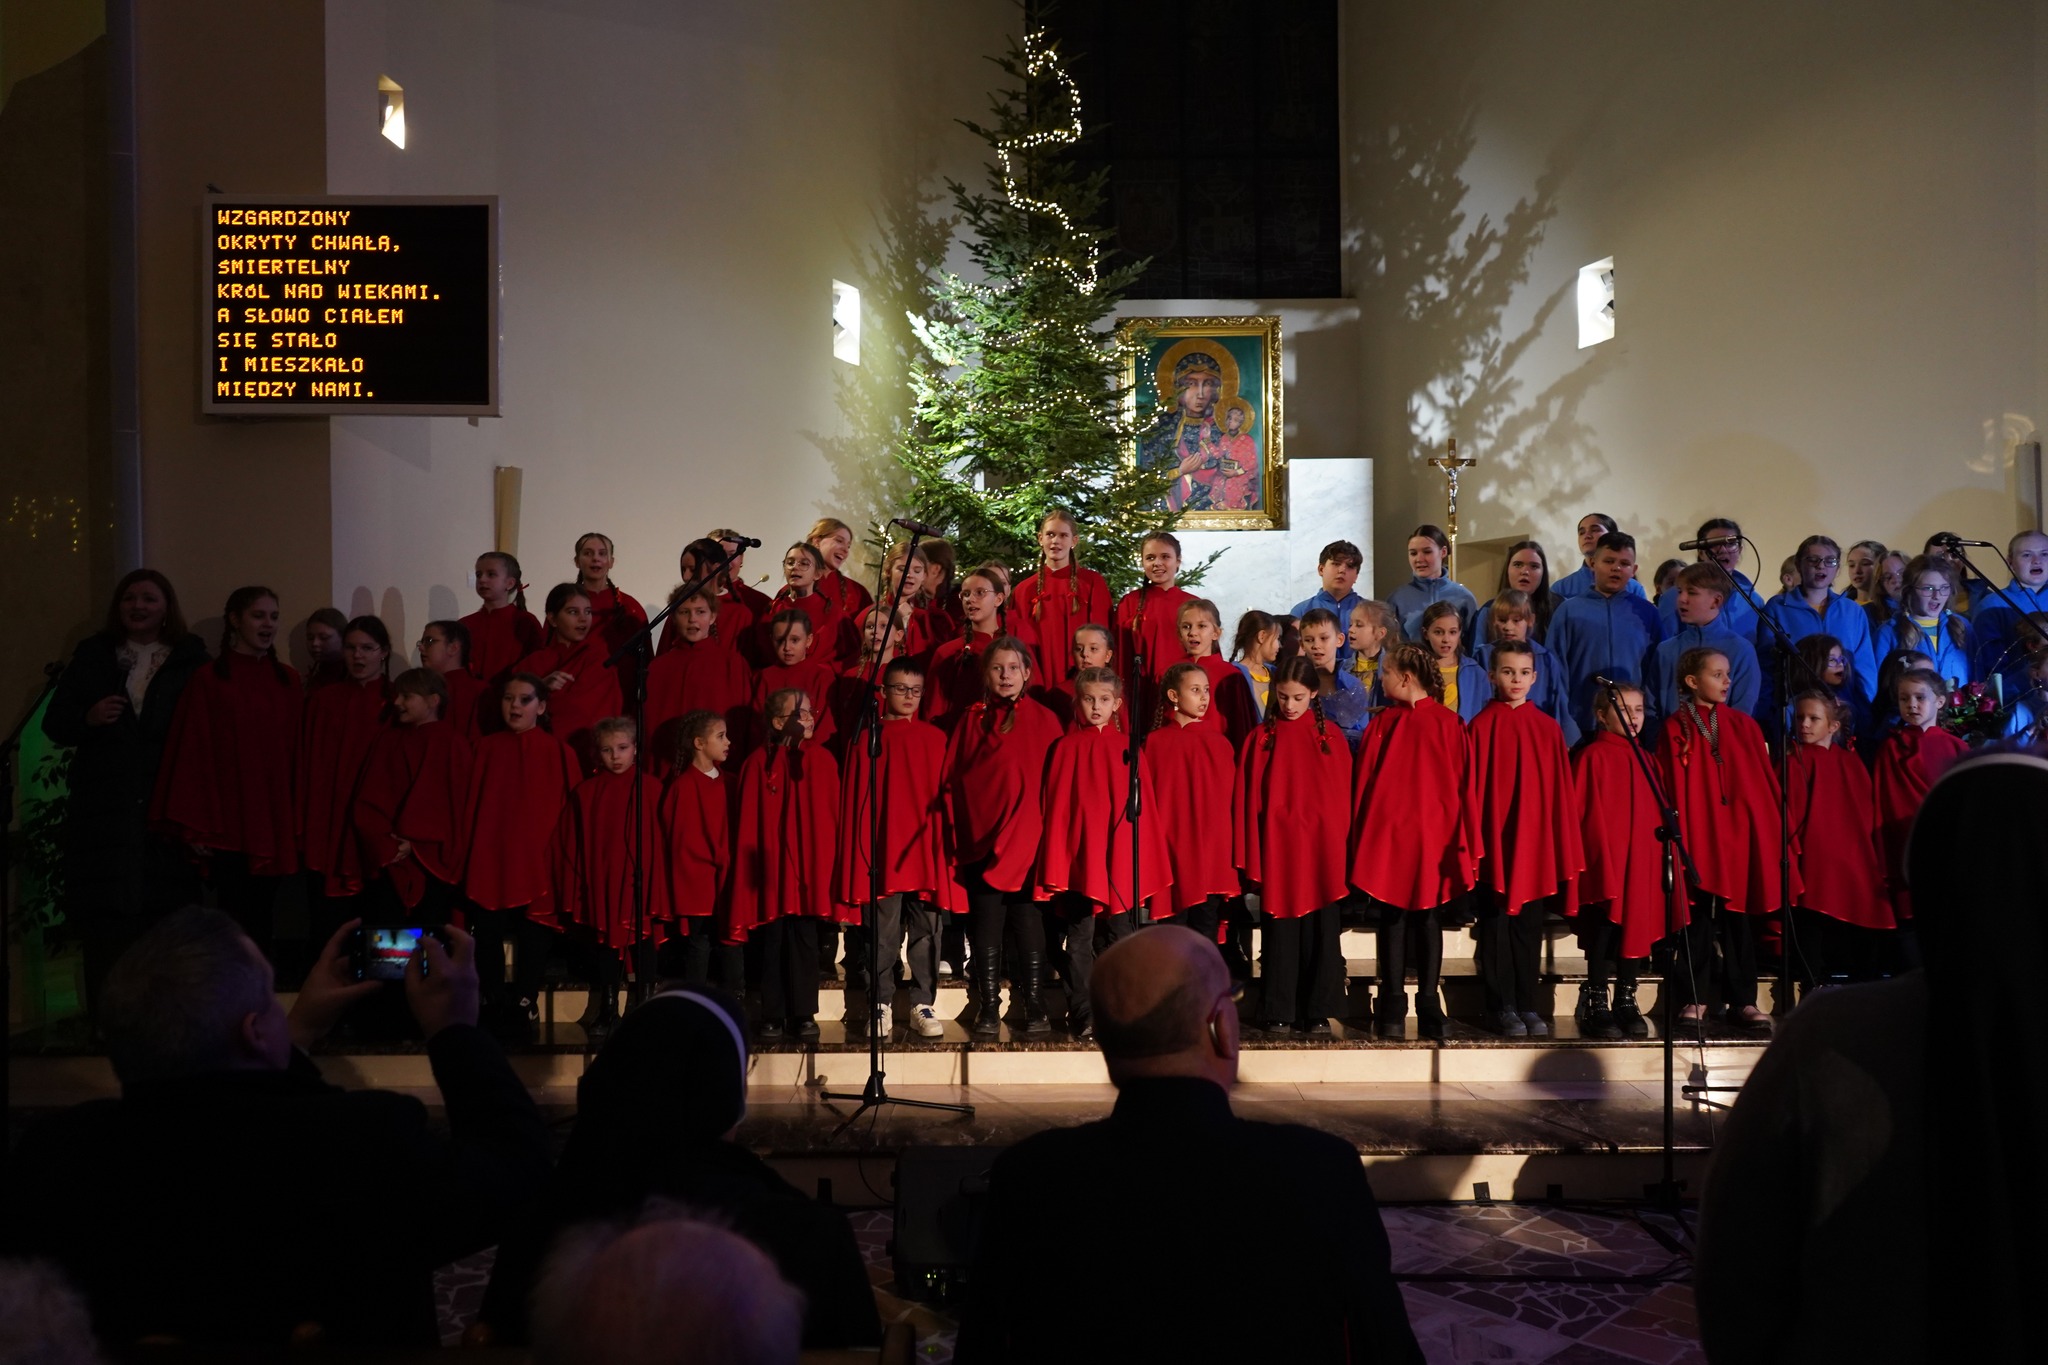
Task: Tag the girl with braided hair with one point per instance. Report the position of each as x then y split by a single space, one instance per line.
1288 837
1059 595
1191 761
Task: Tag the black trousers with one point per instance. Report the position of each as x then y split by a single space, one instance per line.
687 958
1409 940
1302 967
250 898
1600 941
530 942
992 915
1721 948
1206 918
1510 956
789 967
1072 919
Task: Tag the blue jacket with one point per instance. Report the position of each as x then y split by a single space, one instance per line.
1998 626
1952 661
1579 583
1343 610
1737 616
1660 669
1483 619
1475 689
2026 713
1841 618
1346 708
1411 598
1550 694
1606 635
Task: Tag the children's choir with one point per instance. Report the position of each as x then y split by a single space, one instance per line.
976 747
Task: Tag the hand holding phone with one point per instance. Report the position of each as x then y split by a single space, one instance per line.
331 987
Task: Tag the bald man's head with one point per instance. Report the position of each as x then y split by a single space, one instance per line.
1162 1007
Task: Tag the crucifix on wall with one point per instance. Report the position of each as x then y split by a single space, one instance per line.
1450 463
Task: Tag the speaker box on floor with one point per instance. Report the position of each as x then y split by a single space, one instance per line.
941 1198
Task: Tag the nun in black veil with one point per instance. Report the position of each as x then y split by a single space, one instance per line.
655 1115
1876 1195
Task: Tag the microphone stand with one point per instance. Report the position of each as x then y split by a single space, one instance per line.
641 649
1665 1193
1955 548
1132 802
875 1093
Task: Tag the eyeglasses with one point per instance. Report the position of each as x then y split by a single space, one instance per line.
903 690
1812 563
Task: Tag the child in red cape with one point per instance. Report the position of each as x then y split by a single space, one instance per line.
1408 849
782 893
1288 837
571 666
1231 709
911 636
792 640
614 615
703 561
323 648
1912 757
995 777
502 631
407 813
833 642
901 787
1192 764
953 681
1841 917
1148 616
444 647
833 540
592 867
854 694
1719 776
335 734
1519 809
225 784
696 831
519 780
1093 647
695 671
1084 852
1060 594
1620 896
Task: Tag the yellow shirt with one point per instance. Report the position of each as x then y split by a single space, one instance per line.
1450 676
1365 670
1262 683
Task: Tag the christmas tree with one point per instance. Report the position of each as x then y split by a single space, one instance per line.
1022 407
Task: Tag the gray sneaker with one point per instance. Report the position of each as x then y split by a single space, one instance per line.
925 1020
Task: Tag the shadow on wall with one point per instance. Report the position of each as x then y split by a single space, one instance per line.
1434 286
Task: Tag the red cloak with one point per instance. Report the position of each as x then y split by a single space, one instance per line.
1835 842
1192 767
226 778
1520 806
614 615
1407 843
1232 712
913 760
413 787
590 862
1047 606
953 682
336 730
1908 763
1288 815
1085 847
465 692
518 784
499 639
743 613
787 836
1148 621
686 677
732 627
849 596
833 641
1728 810
814 677
1618 817
594 695
696 822
995 777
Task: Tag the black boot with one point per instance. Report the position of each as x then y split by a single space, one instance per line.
1390 1014
1595 1019
1627 1016
988 994
1035 1020
600 1028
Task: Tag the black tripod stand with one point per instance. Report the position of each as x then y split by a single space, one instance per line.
875 1093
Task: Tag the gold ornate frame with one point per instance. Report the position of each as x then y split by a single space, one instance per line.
1141 336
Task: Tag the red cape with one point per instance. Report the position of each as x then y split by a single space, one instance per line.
1192 767
1520 806
1046 608
413 787
1624 876
465 693
1728 811
848 699
953 682
1288 819
696 822
849 596
499 639
1232 712
914 818
787 836
814 677
336 730
1086 843
833 641
1908 763
733 624
518 784
686 677
1148 621
594 695
590 861
994 781
1407 844
226 778
1835 842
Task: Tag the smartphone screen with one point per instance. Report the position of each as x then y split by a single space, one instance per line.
387 948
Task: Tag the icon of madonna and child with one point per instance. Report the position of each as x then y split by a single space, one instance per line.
1199 421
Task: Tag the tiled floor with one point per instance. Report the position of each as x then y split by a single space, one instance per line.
1562 1305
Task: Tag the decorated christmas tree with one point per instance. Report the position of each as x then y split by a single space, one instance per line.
1022 407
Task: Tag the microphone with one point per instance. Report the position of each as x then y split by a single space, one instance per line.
1954 542
918 527
1608 684
744 542
1709 542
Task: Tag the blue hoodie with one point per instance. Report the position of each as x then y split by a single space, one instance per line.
1840 618
1417 594
1579 582
1951 660
1594 634
1660 669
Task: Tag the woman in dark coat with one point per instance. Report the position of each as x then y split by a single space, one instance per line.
112 707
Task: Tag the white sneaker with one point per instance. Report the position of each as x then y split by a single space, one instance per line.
925 1020
945 967
888 1020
